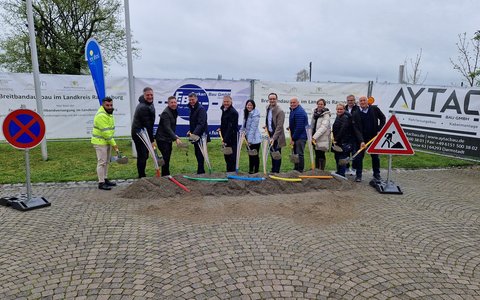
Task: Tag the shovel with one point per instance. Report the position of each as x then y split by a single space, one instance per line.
294 158
182 146
276 155
335 147
160 160
225 150
345 161
119 158
251 152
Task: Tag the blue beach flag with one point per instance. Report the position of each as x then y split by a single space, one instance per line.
93 56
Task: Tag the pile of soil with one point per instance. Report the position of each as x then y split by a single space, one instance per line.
317 201
311 208
155 188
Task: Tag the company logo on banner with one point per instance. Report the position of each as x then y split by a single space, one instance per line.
93 56
182 99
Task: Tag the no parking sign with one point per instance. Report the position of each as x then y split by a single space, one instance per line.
24 129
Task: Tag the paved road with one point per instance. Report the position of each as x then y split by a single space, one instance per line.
423 244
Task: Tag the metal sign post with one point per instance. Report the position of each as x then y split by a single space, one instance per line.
24 129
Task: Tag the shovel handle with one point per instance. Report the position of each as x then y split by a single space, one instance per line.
364 147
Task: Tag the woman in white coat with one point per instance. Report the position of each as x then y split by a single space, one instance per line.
321 132
251 119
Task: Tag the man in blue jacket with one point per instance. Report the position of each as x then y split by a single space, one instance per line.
198 126
297 122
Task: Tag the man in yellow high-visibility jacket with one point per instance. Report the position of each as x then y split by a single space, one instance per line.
103 142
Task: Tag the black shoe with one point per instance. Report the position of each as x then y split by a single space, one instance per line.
110 183
358 179
377 177
104 186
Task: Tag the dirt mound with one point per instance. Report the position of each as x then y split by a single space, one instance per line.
155 188
321 207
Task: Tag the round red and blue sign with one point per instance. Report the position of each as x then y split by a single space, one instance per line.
23 128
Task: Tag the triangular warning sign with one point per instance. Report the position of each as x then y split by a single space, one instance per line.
391 140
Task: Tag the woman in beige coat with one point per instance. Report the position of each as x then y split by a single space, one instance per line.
321 132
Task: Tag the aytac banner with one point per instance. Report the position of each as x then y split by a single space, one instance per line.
437 119
93 56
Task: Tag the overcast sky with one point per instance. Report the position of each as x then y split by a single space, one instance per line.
346 40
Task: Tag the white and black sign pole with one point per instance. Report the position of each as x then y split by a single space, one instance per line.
27 168
36 71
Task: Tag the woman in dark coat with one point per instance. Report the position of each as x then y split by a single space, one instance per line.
342 136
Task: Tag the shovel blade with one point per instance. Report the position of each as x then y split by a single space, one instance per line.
276 155
227 150
337 148
294 158
343 161
122 160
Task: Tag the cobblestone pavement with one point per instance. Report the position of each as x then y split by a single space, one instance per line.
423 244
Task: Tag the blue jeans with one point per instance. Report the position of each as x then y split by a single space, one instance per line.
276 164
340 167
299 148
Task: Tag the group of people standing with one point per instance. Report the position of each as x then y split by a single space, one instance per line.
354 126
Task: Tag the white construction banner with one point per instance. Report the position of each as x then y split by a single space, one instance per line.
69 102
209 92
307 93
445 120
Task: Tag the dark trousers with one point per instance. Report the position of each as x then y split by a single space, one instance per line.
319 156
231 159
254 160
358 163
341 168
165 148
142 155
276 164
299 148
355 147
200 159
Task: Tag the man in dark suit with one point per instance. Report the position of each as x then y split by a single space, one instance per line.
166 133
198 126
367 122
229 130
350 108
144 117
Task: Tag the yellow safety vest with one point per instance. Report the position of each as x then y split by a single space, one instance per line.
103 128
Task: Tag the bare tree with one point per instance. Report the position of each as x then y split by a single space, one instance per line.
414 76
303 75
468 59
